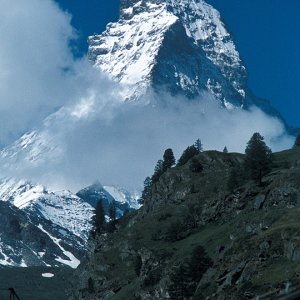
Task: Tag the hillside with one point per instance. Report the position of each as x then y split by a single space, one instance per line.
249 238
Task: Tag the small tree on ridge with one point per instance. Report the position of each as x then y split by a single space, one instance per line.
168 159
258 159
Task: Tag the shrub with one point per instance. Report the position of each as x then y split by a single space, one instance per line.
195 166
186 276
187 154
258 159
173 231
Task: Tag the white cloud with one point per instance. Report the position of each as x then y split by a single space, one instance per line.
119 143
34 59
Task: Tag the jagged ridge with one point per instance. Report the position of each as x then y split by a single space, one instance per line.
175 45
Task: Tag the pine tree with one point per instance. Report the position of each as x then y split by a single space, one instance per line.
99 216
225 150
199 263
147 189
158 171
168 159
112 211
198 145
187 154
258 159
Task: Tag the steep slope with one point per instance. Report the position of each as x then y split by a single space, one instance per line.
179 46
122 196
31 241
194 239
61 208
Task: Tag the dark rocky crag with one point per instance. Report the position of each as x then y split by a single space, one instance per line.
249 238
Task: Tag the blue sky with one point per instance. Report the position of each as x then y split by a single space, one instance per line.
267 35
266 32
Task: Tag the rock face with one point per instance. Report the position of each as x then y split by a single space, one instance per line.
179 46
195 239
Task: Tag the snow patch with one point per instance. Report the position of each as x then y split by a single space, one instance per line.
73 262
47 275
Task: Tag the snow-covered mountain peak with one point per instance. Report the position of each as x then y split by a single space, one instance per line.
203 23
179 45
62 208
132 44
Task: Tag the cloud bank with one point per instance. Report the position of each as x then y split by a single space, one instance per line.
94 135
35 63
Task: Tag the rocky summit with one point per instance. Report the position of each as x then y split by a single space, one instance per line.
194 238
178 46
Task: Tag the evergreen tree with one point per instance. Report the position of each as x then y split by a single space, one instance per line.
198 145
225 150
168 159
99 216
158 171
297 141
199 263
112 211
147 189
187 154
258 159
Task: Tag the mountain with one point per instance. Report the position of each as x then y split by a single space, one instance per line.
61 218
196 238
124 201
59 222
61 208
181 47
27 240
